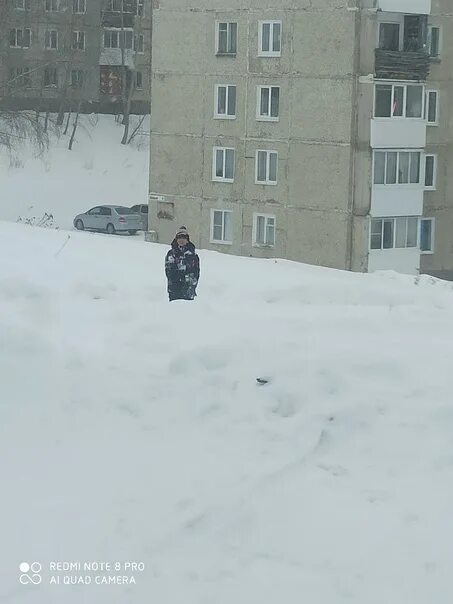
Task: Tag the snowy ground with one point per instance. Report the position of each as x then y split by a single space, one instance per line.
132 429
63 183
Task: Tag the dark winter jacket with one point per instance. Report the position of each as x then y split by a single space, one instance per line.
182 267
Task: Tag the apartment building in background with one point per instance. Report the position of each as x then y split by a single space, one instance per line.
67 51
315 131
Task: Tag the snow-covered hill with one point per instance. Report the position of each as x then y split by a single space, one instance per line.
133 430
64 183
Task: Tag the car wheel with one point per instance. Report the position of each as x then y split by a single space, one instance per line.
79 225
110 228
133 232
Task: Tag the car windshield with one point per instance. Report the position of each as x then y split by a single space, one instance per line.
120 210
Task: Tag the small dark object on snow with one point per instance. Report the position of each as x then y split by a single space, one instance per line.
262 381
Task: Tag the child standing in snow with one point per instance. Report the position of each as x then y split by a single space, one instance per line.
182 267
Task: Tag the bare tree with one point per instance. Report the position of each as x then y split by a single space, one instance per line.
130 86
136 129
74 126
16 127
67 121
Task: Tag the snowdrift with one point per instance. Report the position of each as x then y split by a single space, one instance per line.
134 430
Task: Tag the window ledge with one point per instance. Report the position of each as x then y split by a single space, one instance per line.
399 118
224 117
215 242
414 186
227 181
435 59
260 118
426 253
264 245
225 54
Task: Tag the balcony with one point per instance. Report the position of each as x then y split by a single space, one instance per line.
397 133
117 20
417 7
402 52
397 201
402 65
115 56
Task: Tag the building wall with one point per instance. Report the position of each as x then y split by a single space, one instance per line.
64 59
415 200
312 201
325 196
439 203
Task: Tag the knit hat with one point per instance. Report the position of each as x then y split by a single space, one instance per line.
182 232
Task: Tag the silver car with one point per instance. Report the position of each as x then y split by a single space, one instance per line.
142 209
111 219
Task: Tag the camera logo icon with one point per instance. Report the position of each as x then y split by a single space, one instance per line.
30 573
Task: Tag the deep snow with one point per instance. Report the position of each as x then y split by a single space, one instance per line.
98 170
132 429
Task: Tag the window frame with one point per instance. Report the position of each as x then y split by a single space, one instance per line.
393 220
428 92
404 85
136 46
433 231
80 81
266 217
25 5
432 187
56 78
396 21
78 2
216 178
397 184
267 118
267 181
21 75
77 33
109 33
227 53
52 10
271 23
224 116
429 42
21 29
140 8
48 37
137 87
211 234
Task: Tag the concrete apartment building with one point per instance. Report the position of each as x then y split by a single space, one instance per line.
54 51
314 130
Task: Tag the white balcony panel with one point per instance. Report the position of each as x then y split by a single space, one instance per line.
404 260
112 56
417 7
398 133
396 201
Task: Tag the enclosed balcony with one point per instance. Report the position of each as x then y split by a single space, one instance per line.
111 19
121 13
398 117
417 7
402 52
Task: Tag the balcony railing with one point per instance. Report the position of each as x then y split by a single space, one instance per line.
402 65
